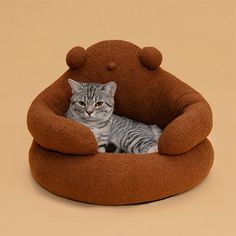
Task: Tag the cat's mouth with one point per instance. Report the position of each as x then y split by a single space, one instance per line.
88 118
91 118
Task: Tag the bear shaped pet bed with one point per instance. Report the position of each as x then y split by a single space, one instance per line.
64 155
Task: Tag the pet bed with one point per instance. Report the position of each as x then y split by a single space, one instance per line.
64 156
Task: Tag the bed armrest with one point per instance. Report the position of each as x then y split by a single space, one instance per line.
191 123
53 131
187 130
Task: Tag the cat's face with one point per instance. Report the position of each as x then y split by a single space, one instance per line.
91 101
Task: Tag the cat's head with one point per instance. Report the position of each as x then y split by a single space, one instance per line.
92 101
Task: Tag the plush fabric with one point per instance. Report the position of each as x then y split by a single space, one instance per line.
64 155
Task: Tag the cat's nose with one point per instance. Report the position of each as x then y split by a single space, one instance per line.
89 112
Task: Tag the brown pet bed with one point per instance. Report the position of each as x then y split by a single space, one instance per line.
64 155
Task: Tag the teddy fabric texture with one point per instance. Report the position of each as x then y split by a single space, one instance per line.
64 155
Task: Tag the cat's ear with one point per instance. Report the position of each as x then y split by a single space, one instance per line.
110 88
75 86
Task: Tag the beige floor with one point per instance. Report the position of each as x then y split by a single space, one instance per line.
197 39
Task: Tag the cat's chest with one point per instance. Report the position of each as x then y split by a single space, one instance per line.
101 132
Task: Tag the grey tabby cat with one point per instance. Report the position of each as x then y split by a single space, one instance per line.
92 105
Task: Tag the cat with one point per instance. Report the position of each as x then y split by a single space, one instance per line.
92 104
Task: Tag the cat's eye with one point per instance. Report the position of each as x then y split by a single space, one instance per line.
82 103
98 104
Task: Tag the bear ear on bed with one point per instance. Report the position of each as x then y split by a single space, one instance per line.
76 57
150 57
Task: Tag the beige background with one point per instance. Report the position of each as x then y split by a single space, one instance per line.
197 39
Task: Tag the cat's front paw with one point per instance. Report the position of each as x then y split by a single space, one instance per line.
102 149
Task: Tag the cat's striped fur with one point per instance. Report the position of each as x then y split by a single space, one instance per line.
93 104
